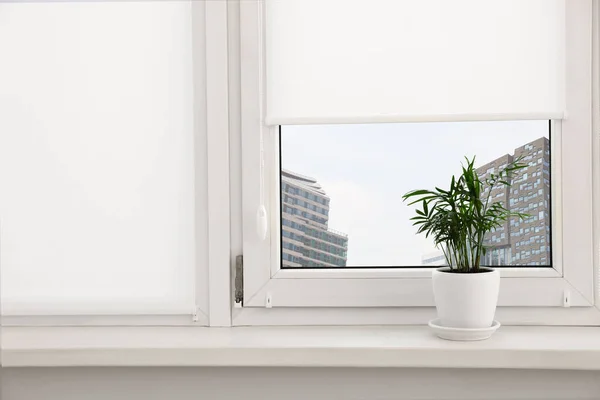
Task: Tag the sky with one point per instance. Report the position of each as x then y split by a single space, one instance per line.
365 170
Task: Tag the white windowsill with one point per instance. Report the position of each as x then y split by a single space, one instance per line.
406 346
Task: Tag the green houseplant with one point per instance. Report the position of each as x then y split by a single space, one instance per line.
458 220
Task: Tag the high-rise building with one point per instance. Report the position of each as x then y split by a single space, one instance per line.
522 241
518 241
306 239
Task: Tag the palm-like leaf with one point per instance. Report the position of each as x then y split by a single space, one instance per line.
459 218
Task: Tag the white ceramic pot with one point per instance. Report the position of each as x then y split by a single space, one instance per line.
466 300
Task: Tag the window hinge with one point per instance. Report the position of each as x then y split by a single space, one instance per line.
566 298
239 282
195 317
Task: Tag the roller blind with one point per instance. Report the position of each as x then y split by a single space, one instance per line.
96 157
331 61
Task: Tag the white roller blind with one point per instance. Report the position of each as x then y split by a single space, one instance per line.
96 157
333 61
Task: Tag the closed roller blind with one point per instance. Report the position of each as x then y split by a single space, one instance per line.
332 61
96 157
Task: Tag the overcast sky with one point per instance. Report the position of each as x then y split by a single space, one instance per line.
366 169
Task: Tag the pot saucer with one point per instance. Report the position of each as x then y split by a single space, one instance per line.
462 334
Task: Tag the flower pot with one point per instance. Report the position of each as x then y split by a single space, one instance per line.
466 300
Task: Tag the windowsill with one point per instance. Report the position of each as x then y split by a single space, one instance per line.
402 346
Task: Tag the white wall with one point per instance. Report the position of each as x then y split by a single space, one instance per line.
294 384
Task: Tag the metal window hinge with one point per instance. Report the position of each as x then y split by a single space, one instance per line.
239 282
566 298
195 317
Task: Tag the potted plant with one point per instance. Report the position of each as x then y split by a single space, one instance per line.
458 220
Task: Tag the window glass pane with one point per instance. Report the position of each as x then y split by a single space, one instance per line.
353 178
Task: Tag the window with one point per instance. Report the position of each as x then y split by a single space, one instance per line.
366 179
144 162
385 264
86 226
108 210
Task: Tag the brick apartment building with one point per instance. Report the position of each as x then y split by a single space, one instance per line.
522 242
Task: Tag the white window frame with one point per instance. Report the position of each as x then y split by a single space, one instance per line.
211 181
404 296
